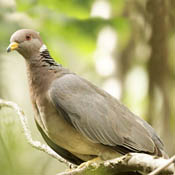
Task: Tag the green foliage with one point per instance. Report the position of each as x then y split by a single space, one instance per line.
70 22
75 8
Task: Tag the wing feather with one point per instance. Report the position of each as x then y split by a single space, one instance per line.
99 116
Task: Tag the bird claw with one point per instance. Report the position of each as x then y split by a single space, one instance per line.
72 166
92 162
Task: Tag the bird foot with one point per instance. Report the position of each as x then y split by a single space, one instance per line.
92 162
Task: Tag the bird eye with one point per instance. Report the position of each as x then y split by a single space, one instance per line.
28 37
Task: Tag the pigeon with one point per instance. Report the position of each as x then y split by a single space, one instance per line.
77 119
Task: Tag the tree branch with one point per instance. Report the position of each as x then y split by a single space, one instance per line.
169 162
129 163
36 144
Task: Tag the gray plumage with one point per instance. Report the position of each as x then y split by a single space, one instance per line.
77 119
100 117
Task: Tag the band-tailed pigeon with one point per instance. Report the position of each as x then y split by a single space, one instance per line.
77 119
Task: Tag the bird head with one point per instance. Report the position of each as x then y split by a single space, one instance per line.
26 41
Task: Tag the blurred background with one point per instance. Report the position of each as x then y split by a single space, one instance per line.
127 47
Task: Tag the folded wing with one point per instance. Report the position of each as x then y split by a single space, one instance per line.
100 117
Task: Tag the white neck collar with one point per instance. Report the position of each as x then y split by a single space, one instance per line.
43 48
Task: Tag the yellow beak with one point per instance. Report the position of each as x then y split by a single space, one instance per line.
12 46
